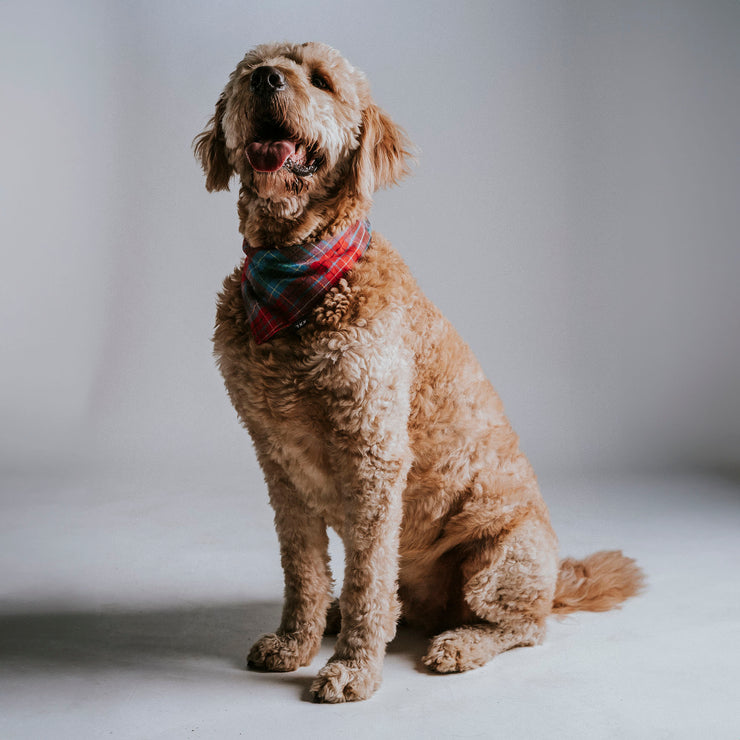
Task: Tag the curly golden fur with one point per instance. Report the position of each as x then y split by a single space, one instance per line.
375 418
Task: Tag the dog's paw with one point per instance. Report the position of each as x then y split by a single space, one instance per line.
280 653
340 681
454 652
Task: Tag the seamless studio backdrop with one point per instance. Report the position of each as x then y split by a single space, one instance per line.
574 213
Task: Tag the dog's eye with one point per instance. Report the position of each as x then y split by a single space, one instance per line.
318 80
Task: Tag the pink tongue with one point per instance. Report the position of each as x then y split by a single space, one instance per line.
269 156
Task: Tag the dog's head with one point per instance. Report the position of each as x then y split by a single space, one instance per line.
297 124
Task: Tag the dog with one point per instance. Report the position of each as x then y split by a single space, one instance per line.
368 412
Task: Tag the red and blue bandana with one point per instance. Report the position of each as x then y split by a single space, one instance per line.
281 285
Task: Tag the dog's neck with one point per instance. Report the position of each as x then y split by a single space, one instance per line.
281 286
296 218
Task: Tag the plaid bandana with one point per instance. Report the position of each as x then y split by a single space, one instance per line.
280 286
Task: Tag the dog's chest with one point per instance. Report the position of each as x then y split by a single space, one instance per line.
289 424
301 448
312 403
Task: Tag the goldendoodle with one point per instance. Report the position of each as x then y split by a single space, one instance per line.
368 412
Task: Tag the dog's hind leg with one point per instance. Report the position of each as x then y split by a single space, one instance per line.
473 645
508 584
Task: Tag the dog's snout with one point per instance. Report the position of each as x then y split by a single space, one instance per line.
267 80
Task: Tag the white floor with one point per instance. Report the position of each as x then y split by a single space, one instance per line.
127 604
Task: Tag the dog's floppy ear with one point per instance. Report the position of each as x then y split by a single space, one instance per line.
384 155
210 148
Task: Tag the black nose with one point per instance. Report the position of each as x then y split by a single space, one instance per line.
267 80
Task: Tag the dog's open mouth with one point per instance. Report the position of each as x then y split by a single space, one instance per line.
275 149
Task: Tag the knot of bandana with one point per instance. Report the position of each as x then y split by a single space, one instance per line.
280 286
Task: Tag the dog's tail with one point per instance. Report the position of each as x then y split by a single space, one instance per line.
600 582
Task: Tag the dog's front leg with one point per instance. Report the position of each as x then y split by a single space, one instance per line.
305 560
368 602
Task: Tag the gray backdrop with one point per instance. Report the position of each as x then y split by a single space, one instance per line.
574 212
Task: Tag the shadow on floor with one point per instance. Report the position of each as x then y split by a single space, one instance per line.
116 638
